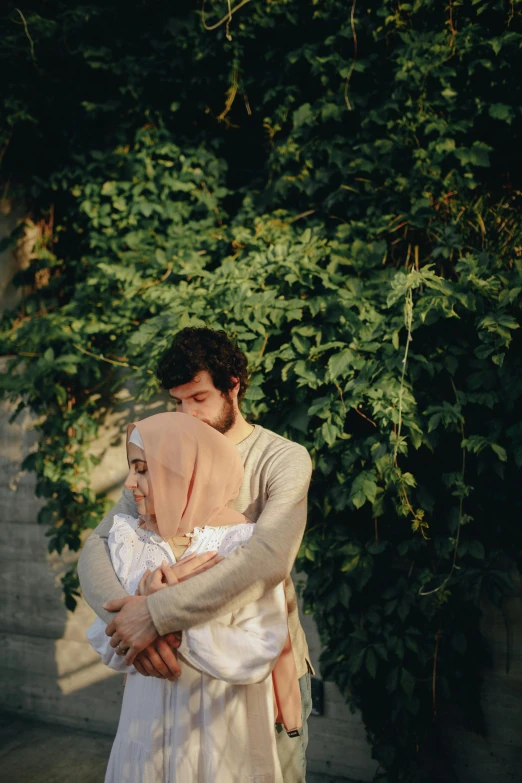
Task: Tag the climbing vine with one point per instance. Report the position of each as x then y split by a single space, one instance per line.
339 187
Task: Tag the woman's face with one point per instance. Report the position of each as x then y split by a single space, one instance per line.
138 480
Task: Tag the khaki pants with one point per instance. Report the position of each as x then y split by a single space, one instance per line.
292 750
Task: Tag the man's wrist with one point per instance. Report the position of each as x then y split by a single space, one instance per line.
154 615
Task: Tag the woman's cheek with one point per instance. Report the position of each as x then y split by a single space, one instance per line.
149 497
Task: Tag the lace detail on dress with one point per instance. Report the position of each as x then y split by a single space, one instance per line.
220 539
134 549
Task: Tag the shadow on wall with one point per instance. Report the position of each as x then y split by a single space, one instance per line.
49 671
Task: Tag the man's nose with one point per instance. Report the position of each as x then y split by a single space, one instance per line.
189 408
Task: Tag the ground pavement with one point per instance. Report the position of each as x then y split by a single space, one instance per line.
32 752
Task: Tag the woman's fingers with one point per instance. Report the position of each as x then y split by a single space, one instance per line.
190 557
168 657
142 587
202 568
152 663
158 660
186 566
139 668
155 582
168 573
172 639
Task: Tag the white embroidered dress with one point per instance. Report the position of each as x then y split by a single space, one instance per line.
215 723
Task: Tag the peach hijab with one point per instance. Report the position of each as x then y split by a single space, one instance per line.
195 473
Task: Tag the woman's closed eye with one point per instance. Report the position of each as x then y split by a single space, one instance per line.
140 466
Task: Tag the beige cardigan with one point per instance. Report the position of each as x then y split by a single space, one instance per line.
273 494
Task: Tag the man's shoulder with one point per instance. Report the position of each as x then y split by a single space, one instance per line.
275 445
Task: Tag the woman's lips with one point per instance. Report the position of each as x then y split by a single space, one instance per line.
137 498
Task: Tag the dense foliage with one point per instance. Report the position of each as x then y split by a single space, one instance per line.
339 188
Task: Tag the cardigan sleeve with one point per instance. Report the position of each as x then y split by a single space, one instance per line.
98 578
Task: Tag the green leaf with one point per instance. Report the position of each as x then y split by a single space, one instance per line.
476 549
339 363
61 394
350 564
254 393
330 432
364 488
476 155
499 451
345 594
501 111
408 682
320 404
303 115
371 663
459 642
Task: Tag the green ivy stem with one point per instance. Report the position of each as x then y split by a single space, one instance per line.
226 18
101 358
26 30
408 321
354 58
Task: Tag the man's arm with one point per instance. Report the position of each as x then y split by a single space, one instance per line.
98 579
249 572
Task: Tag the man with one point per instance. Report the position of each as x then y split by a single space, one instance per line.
206 375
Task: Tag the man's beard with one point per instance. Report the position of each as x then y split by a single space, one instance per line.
226 418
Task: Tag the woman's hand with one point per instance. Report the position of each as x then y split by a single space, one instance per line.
166 575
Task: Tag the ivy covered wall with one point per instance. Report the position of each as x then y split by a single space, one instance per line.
338 185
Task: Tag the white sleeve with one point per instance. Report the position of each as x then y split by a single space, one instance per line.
100 643
241 649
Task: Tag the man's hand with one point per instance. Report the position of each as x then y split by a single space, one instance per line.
159 658
132 629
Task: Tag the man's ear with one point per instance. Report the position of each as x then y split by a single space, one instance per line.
234 391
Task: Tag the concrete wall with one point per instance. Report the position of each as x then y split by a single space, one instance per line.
48 669
497 757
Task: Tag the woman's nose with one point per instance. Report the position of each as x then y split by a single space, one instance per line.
131 481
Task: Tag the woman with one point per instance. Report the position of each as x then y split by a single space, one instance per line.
215 724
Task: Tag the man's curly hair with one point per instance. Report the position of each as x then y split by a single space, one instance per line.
196 349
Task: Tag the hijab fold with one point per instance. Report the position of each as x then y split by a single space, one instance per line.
195 473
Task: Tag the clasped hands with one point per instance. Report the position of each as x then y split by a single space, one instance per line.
132 631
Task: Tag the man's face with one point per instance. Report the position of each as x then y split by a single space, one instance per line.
201 399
